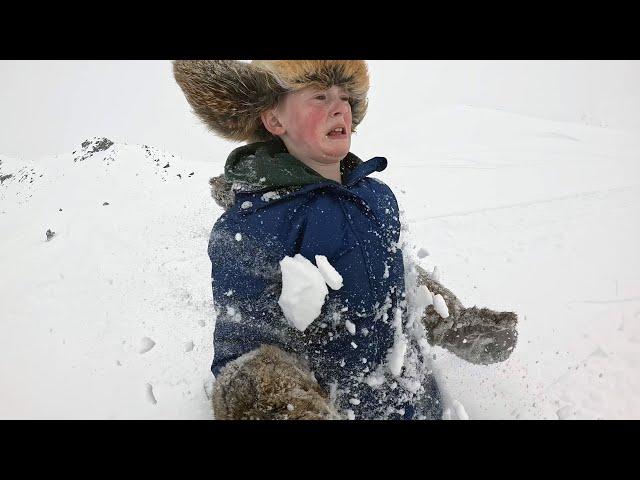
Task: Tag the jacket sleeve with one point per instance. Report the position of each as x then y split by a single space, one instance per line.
246 283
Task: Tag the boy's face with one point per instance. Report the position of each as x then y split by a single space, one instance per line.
307 121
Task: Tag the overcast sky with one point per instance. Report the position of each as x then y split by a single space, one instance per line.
50 107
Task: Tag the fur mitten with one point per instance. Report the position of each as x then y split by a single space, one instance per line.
269 384
477 335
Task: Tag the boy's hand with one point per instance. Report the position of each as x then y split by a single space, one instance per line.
477 335
269 384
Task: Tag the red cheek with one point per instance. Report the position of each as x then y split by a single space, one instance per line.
313 124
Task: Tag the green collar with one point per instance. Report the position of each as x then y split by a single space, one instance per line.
268 165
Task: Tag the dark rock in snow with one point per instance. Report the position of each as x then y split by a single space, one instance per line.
105 203
50 234
166 166
5 177
89 147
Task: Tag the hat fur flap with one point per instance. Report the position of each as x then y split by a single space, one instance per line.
229 96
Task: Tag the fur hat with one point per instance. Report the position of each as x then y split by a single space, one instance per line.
229 96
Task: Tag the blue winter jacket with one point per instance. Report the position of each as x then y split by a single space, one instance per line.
283 208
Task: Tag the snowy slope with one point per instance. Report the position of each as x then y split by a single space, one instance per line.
77 309
518 213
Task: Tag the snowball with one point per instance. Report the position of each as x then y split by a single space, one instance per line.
354 401
423 252
238 236
290 407
331 276
386 271
246 205
399 350
354 345
303 291
351 415
350 326
440 306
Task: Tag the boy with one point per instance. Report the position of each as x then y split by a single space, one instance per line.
296 189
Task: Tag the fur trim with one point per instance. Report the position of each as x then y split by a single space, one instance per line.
269 384
229 96
222 192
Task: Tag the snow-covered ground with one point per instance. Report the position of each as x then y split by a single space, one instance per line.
112 317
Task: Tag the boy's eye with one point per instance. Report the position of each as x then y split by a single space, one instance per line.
324 97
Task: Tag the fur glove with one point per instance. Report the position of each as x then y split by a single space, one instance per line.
269 384
477 335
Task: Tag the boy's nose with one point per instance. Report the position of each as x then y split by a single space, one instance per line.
339 107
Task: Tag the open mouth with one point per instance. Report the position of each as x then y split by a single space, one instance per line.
337 132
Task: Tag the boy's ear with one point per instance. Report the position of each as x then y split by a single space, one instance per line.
271 122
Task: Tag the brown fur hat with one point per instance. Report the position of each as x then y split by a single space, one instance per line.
229 96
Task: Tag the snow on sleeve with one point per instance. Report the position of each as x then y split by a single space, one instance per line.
350 327
440 306
303 291
423 297
399 350
331 276
273 195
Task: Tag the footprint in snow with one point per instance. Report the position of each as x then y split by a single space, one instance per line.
146 344
565 413
149 393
